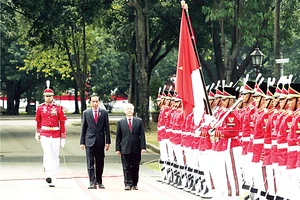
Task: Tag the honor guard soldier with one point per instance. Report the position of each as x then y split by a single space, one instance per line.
51 132
282 124
161 131
258 139
272 105
293 140
228 147
247 129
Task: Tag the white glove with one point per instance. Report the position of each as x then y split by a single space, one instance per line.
197 132
37 137
62 142
209 119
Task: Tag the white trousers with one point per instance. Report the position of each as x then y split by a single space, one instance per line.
270 179
51 155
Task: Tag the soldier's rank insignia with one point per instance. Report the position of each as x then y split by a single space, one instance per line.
53 111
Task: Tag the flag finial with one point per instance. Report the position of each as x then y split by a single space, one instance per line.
184 5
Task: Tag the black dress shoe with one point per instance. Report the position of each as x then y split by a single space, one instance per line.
101 186
127 187
48 180
92 186
51 185
135 187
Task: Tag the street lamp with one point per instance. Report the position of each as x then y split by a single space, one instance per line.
257 59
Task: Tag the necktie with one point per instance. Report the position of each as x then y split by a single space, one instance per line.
129 124
96 116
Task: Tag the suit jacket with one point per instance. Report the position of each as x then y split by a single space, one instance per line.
130 141
92 132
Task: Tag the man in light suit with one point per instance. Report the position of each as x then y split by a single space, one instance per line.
130 144
95 136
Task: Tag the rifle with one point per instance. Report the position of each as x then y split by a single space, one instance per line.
211 131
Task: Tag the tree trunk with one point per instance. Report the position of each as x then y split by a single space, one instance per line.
18 92
218 52
277 39
142 61
76 99
11 97
132 86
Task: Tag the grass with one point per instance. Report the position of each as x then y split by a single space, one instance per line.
152 165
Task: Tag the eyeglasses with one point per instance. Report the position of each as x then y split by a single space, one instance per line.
48 96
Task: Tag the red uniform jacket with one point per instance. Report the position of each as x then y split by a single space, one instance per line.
50 120
258 134
292 139
267 137
284 129
248 125
230 131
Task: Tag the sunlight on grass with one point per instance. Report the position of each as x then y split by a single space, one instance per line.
152 165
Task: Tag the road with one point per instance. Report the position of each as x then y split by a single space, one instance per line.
22 175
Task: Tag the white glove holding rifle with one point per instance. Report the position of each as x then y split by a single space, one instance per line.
62 142
37 137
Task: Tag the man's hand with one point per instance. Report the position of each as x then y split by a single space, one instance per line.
118 153
107 147
143 151
37 137
62 142
82 146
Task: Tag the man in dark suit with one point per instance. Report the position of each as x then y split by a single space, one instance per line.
95 136
130 144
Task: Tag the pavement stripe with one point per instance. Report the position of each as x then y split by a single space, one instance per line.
87 191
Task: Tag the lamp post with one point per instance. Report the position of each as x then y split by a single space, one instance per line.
257 59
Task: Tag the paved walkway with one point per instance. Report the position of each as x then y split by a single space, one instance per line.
26 181
22 175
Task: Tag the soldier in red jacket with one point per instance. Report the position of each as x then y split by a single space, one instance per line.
282 124
247 129
228 182
258 138
51 132
293 140
272 105
163 146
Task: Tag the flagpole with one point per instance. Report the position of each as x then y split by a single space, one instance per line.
207 106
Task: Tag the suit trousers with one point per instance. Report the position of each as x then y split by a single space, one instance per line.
95 163
131 166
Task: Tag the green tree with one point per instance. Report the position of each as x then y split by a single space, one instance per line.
66 26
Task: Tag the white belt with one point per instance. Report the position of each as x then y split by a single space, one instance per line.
282 146
160 128
258 141
48 128
188 133
168 130
177 131
274 142
246 139
267 146
294 148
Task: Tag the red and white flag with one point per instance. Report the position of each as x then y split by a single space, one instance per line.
189 84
